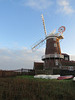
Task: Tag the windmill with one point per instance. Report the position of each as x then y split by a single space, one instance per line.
53 56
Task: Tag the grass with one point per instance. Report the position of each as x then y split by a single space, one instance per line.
28 88
25 76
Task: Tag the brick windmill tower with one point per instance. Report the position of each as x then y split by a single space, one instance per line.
53 56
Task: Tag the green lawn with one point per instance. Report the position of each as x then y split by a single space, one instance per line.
29 88
25 76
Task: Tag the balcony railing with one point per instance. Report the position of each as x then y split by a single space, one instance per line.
52 56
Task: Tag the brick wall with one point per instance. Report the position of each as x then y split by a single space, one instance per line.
50 49
38 66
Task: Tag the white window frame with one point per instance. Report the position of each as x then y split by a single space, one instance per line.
55 45
56 62
54 39
66 58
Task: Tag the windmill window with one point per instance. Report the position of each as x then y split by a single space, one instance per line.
55 45
54 39
56 62
55 53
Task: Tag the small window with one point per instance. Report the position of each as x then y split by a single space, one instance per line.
56 62
55 45
56 53
66 58
54 39
71 68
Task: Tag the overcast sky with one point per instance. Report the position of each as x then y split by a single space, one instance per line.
21 26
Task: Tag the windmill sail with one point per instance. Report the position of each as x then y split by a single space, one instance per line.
44 25
38 44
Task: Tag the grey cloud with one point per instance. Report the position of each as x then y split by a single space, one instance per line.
65 7
15 59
